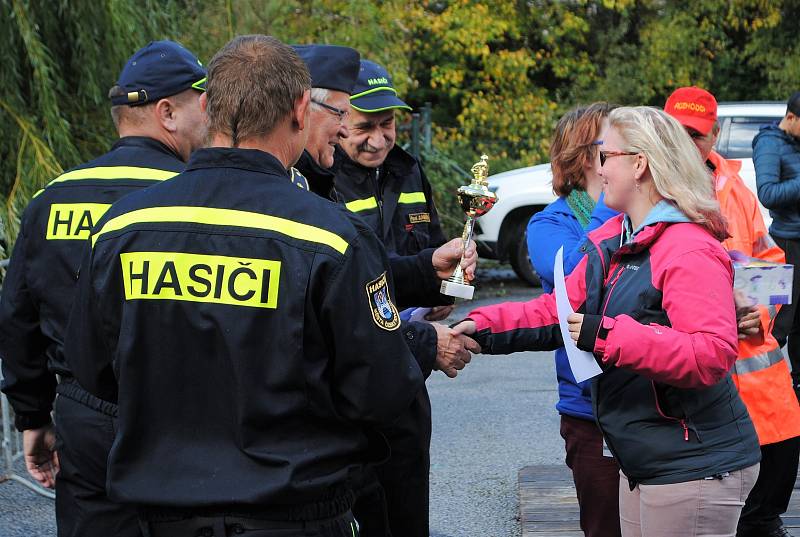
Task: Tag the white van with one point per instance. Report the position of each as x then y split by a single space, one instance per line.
501 233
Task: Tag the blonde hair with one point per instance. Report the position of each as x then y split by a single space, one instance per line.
679 175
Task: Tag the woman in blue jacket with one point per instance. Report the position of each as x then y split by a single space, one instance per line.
566 222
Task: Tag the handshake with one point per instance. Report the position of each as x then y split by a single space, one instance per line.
453 349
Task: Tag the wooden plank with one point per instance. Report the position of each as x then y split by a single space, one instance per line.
548 505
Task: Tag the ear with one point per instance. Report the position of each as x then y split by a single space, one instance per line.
165 111
301 107
203 102
640 168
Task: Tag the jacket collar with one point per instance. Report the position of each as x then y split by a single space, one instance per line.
723 170
144 142
659 217
320 180
252 160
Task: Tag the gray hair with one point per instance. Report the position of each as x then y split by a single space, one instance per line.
320 95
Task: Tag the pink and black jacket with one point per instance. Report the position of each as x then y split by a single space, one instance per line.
660 319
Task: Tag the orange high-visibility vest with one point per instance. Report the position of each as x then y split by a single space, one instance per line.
760 372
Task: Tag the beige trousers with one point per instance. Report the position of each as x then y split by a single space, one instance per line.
706 507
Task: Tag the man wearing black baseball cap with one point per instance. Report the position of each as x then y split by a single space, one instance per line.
156 110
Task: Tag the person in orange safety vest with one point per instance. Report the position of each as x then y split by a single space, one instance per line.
760 373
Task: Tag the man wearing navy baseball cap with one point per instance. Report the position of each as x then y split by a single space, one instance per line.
387 187
333 72
156 110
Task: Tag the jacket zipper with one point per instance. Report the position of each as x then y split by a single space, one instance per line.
682 421
597 387
379 198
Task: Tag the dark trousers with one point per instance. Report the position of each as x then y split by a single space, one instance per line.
343 525
395 493
596 477
787 323
83 441
770 496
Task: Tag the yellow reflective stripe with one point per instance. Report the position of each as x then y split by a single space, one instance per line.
412 197
742 366
116 172
224 217
362 205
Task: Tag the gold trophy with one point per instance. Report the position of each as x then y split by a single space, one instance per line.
475 200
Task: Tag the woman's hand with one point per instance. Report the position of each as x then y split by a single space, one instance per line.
575 321
467 327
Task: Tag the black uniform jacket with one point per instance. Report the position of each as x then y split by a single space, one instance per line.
252 333
395 199
412 268
40 283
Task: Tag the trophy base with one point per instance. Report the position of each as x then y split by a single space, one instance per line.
458 290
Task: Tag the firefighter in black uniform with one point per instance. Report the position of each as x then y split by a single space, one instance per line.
240 317
155 107
386 186
418 277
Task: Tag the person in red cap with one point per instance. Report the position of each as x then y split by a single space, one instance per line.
760 372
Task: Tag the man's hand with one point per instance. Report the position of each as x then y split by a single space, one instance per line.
446 258
41 459
439 313
748 322
452 350
575 321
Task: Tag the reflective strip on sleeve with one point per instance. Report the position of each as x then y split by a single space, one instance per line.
116 172
743 366
412 197
224 217
362 205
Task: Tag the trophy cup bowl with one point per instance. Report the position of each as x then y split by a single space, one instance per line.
475 200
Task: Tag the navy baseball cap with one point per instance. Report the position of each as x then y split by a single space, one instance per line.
331 67
160 69
374 91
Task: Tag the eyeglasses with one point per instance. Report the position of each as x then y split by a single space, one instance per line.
605 155
332 109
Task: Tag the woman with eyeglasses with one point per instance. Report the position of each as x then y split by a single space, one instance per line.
654 304
566 223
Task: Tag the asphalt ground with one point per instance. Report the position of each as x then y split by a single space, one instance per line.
494 418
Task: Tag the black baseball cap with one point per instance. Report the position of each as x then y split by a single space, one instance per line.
331 67
160 69
374 91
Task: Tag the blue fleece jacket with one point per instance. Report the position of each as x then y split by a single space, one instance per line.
548 230
776 157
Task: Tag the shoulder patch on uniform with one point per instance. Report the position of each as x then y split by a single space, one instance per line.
384 312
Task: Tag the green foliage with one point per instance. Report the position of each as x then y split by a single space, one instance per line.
61 59
498 73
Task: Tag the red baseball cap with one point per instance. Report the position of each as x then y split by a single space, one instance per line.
693 107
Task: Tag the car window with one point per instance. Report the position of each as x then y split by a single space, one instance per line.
741 132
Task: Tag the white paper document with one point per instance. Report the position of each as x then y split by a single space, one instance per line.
582 363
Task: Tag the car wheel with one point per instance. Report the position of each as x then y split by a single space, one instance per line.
520 262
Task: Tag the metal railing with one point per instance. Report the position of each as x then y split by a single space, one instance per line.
11 450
